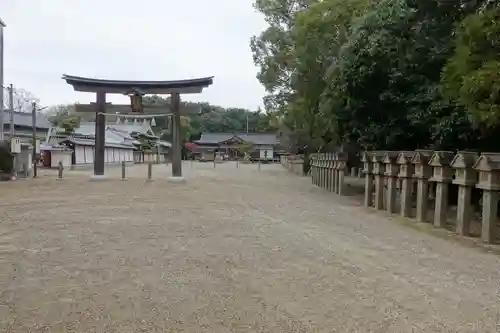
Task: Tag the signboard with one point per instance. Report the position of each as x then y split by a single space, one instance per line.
37 146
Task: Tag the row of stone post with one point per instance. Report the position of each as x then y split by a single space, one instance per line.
328 171
384 170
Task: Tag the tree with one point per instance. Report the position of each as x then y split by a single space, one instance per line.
272 49
64 116
22 100
471 77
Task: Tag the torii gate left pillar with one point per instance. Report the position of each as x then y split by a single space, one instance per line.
102 87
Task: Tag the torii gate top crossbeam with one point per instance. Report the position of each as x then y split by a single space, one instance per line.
191 86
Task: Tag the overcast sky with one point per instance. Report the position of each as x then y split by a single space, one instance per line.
130 39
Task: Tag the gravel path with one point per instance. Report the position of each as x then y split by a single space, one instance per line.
233 250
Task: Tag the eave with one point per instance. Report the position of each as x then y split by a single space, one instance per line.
188 86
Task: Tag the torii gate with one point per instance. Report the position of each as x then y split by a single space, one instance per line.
137 89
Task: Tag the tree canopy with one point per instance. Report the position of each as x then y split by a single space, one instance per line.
383 74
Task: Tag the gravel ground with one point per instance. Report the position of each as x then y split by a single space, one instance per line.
233 250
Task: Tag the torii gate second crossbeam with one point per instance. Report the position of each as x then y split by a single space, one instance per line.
102 87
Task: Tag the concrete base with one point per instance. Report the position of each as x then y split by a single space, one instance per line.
176 180
98 178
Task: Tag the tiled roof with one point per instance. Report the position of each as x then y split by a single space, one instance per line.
24 119
254 138
88 142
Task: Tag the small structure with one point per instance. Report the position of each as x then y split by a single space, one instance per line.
137 89
465 178
406 177
391 174
423 171
366 158
378 171
51 156
340 166
488 166
442 175
83 151
261 145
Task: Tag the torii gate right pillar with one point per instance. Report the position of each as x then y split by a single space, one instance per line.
176 140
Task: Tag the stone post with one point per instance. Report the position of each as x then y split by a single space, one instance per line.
366 158
391 174
378 171
332 171
442 176
488 166
423 171
354 172
341 167
465 178
406 176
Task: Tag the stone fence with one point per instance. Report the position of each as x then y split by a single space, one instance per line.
293 163
393 177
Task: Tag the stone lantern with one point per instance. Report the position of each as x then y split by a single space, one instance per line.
320 169
391 174
323 170
422 172
488 166
313 161
331 173
341 167
368 172
406 176
335 173
442 175
465 178
378 171
324 165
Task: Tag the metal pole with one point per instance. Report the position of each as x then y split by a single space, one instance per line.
1 83
33 136
11 107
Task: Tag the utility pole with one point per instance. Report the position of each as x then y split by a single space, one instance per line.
247 123
11 107
33 136
2 25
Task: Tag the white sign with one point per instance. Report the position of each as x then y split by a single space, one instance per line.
15 145
37 146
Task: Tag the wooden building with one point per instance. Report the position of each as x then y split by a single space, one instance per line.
260 145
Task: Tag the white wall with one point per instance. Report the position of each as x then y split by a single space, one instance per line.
85 155
63 156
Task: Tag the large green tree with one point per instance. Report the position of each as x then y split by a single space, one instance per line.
368 73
